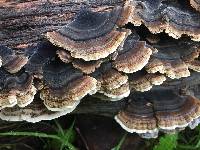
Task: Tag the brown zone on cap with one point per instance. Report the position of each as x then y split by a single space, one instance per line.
193 60
14 63
125 16
194 65
25 98
65 97
64 56
112 79
134 59
117 93
195 4
145 81
189 111
138 117
172 68
87 67
11 61
142 123
92 49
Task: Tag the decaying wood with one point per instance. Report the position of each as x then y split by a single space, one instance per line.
24 23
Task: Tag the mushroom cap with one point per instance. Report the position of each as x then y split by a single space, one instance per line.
111 79
87 67
172 18
117 93
159 110
142 81
64 56
172 68
192 59
91 35
134 56
92 49
16 89
88 24
173 58
195 4
194 65
34 112
139 117
65 98
10 61
57 74
126 14
64 86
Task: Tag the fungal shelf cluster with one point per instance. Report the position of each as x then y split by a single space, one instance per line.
104 55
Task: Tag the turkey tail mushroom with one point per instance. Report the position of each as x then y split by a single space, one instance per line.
10 61
87 67
91 35
133 56
117 93
160 110
172 68
193 60
34 112
64 56
159 16
195 4
112 83
174 58
16 89
143 81
138 117
64 86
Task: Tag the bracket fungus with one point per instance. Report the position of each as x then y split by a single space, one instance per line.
133 56
64 86
143 81
34 112
159 16
64 56
195 4
117 93
16 89
86 67
91 35
10 61
172 68
174 59
159 111
192 59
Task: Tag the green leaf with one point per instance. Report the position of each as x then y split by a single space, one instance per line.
118 146
168 142
70 134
